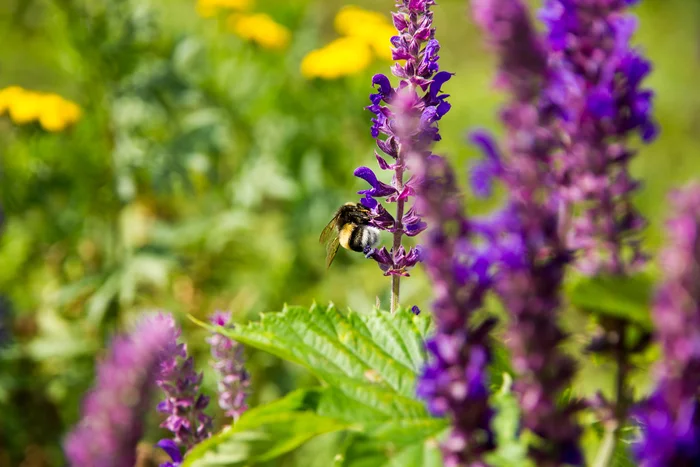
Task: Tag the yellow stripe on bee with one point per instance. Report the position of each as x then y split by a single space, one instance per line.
344 235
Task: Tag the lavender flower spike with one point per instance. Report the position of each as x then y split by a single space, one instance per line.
113 411
455 382
228 362
670 419
183 403
531 254
415 45
600 96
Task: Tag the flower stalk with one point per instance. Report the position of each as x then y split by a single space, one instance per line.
670 418
528 249
113 412
601 102
183 404
416 51
229 364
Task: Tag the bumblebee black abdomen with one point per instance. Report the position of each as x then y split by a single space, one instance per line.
358 237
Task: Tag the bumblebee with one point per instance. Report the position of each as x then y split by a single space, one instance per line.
350 229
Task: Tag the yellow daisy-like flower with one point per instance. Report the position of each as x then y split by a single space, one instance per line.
342 57
260 28
370 26
53 112
209 8
23 106
58 113
351 16
7 96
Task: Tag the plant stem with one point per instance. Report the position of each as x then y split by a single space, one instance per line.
612 431
395 279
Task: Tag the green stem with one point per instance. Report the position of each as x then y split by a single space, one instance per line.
613 430
395 279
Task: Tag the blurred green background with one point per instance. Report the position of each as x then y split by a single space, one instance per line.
203 168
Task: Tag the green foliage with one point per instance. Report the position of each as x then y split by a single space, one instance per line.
510 446
369 363
199 177
266 432
621 297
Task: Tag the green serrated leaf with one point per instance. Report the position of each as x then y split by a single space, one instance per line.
267 432
622 297
375 349
369 363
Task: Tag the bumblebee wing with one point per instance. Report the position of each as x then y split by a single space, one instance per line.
331 251
328 230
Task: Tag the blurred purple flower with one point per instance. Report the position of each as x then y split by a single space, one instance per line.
113 411
670 418
183 403
454 383
418 77
529 253
598 91
229 364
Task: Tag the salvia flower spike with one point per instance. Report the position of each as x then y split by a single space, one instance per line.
113 412
228 362
455 381
417 50
670 418
601 101
531 254
183 404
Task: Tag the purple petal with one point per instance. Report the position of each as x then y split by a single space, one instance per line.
171 448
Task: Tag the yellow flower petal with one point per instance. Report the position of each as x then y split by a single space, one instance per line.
7 96
53 112
370 26
25 107
351 17
209 8
53 117
342 57
260 28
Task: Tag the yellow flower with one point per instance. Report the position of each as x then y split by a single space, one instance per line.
344 56
58 113
370 26
260 28
7 95
24 106
209 8
53 112
351 16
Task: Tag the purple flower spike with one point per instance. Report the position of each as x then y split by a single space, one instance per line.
670 419
420 86
114 410
599 92
229 364
183 402
530 256
455 381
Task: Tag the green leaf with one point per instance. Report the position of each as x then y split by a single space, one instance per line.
369 362
266 432
511 449
621 297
